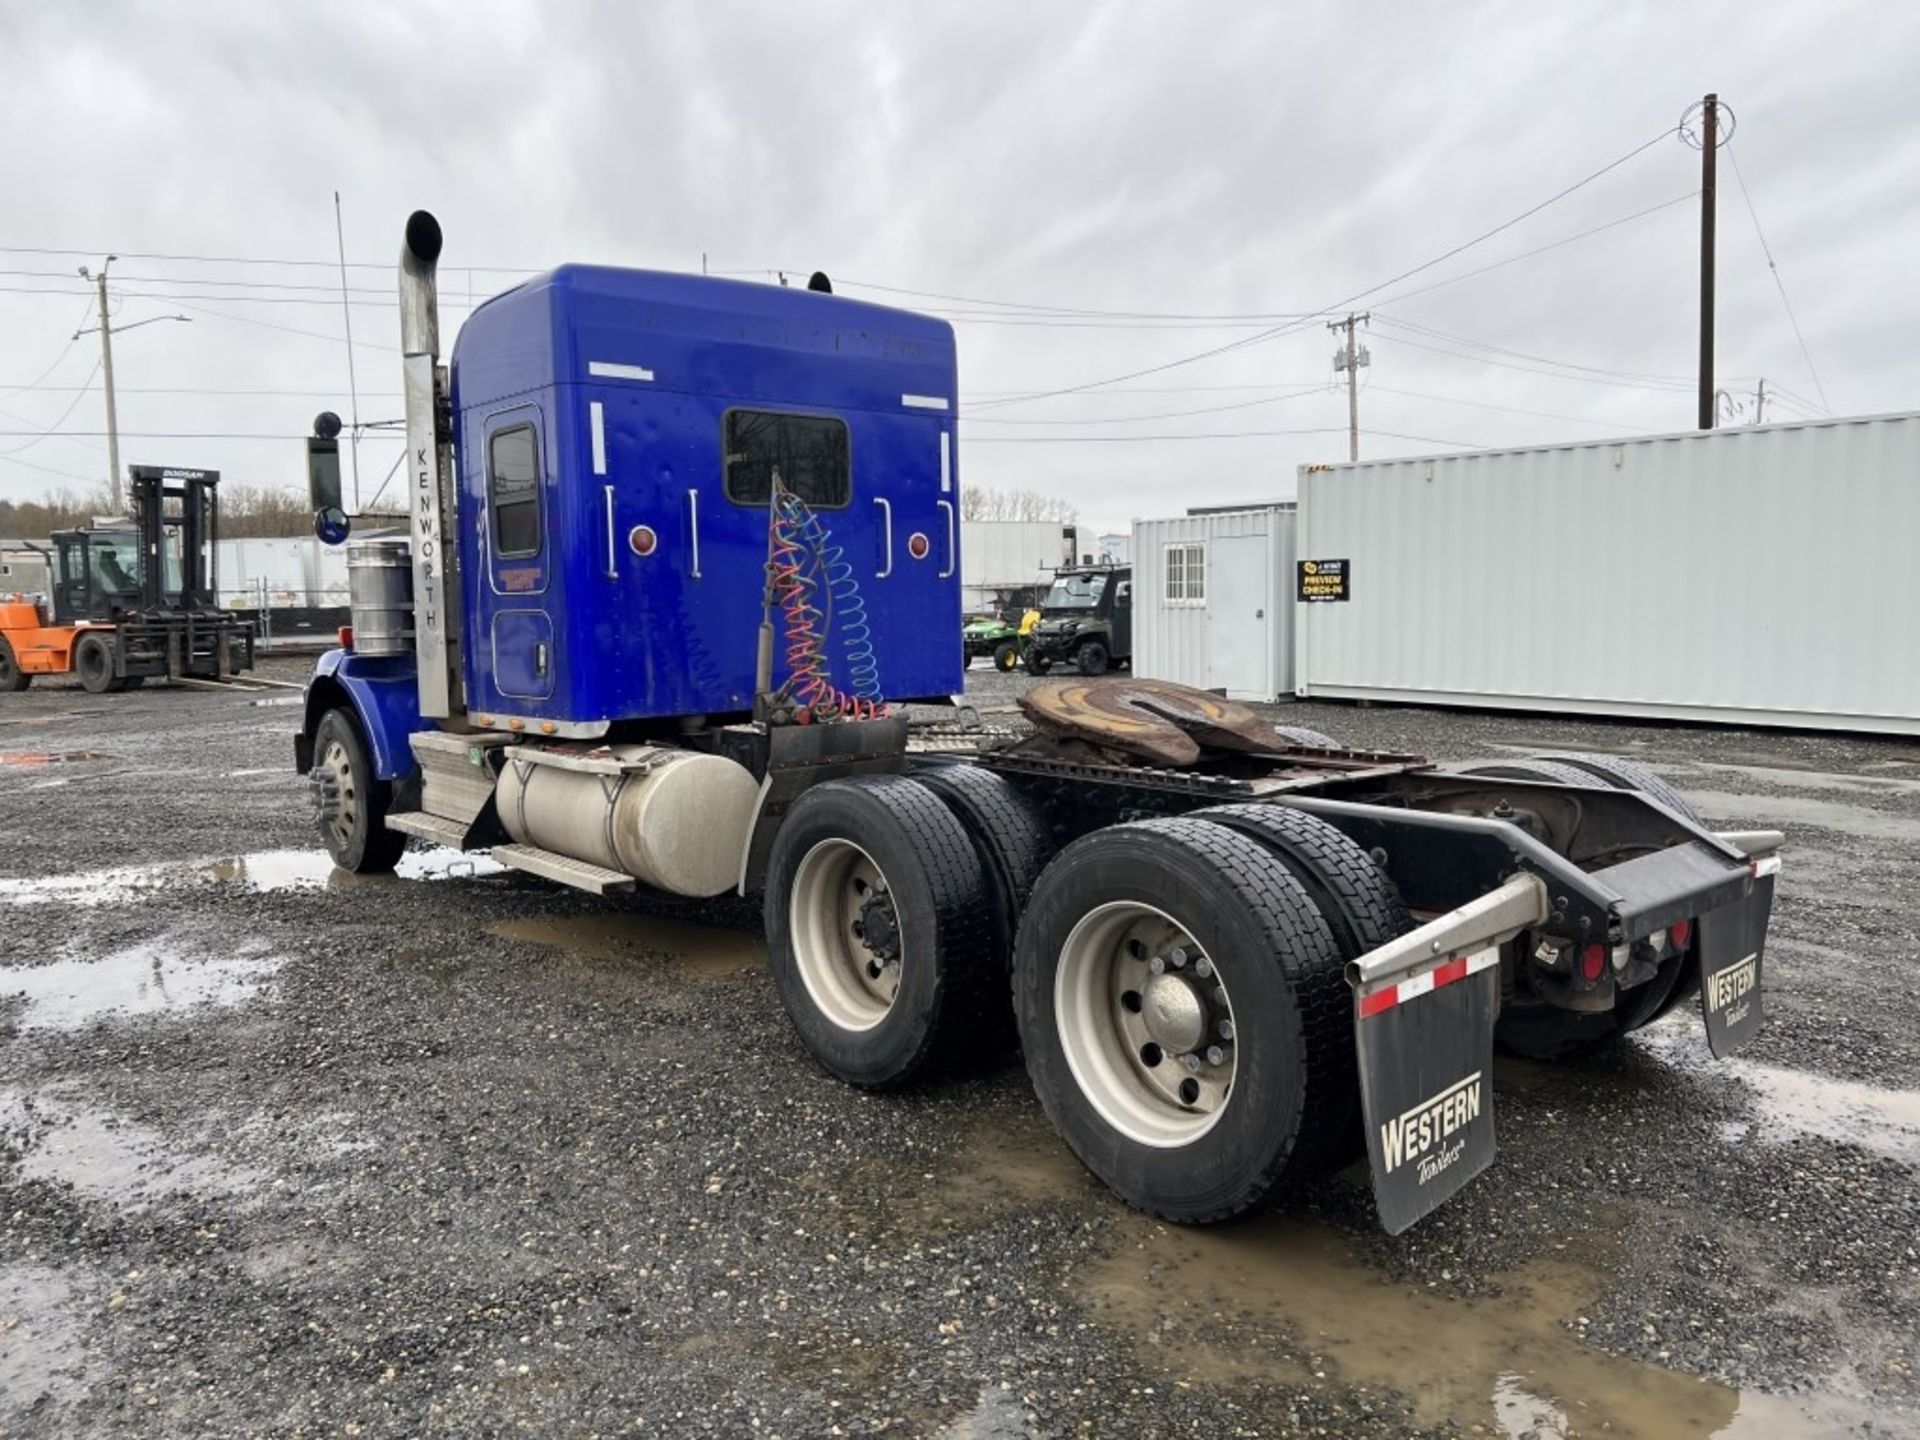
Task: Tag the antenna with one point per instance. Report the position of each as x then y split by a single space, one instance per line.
353 389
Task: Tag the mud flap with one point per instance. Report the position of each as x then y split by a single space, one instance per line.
1732 941
1426 1068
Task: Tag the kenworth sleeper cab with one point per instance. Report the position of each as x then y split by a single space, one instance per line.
681 548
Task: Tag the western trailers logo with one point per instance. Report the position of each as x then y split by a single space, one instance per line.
1728 989
1424 1134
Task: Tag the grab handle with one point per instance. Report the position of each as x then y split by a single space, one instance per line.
886 521
693 510
947 506
613 568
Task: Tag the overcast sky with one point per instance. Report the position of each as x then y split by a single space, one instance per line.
1187 160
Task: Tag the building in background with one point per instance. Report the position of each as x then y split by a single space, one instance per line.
1002 560
1213 599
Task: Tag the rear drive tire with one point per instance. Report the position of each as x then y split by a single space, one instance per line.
93 661
1006 656
878 931
1013 844
1629 775
1301 735
356 836
1091 658
12 678
1268 1024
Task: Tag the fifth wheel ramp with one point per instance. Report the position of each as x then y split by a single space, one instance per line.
1154 719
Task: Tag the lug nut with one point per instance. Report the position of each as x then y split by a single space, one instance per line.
1203 967
1177 957
1225 1027
1192 1062
1216 1056
1156 966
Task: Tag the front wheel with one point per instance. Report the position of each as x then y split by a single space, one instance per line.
93 659
12 678
351 800
1184 1017
1091 657
1006 656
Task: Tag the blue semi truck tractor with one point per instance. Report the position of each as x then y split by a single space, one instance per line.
681 550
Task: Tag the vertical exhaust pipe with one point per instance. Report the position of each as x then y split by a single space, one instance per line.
430 497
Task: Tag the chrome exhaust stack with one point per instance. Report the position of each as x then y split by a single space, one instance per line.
429 462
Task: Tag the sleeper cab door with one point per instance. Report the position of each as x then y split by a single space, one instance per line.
519 566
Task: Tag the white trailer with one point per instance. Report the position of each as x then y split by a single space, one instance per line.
1751 576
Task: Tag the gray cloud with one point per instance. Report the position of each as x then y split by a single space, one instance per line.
1196 158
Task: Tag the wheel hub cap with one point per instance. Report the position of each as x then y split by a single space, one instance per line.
1175 1015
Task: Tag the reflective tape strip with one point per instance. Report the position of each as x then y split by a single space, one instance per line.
1454 967
1770 865
597 419
924 402
608 370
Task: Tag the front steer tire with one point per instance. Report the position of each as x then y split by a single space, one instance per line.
885 852
1291 1018
12 678
356 833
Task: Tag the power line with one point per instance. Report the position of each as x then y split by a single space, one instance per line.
1320 388
1431 333
1371 289
65 350
1206 435
54 429
1779 283
1376 387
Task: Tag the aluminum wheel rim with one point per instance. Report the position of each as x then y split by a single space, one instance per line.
852 982
1145 1024
346 807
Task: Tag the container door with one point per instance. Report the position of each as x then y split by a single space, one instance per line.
1237 595
519 557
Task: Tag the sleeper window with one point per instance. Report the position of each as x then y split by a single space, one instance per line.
810 452
513 488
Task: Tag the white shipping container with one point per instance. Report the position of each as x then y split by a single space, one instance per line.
1211 601
1005 554
293 572
1754 576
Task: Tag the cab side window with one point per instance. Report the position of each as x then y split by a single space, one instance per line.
513 490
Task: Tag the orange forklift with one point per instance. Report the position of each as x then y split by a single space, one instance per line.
132 602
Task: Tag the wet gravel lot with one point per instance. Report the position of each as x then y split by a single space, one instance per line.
465 1154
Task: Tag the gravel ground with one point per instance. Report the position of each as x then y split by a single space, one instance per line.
283 1153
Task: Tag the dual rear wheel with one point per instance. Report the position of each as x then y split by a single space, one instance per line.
1177 984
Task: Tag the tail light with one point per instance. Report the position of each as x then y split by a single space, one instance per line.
1680 932
345 637
1593 961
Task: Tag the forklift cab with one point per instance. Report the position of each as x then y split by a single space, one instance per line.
97 575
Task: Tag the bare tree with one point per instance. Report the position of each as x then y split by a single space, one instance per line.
984 502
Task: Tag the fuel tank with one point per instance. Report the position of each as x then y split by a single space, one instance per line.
677 820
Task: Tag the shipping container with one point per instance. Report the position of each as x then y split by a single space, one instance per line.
1211 601
1754 576
1001 556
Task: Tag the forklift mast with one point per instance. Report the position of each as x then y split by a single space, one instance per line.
196 519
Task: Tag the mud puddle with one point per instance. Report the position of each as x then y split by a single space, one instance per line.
92 887
41 759
144 979
1280 1298
107 1157
43 1355
1783 812
697 948
1789 1104
272 871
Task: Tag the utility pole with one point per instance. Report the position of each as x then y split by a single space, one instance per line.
106 375
1709 144
106 329
1350 359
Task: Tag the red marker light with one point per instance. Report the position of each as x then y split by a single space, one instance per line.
641 540
1593 961
1680 932
345 637
917 545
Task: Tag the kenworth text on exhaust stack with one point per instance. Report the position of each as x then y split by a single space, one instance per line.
679 547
